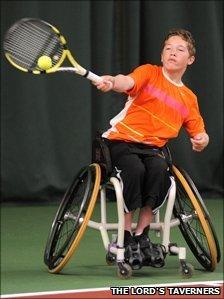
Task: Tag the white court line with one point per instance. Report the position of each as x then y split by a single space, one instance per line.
215 283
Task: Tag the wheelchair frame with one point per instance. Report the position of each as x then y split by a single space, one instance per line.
160 227
89 178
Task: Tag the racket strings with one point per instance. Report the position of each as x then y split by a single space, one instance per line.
32 48
29 41
30 55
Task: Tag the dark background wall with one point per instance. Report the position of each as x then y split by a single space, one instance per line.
48 122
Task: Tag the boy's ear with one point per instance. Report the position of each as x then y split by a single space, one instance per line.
191 60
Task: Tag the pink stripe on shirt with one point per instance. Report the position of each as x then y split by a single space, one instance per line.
168 100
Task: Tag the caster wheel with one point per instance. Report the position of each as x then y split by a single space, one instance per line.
186 270
124 271
110 259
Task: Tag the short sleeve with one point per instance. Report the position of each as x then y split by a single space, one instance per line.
141 76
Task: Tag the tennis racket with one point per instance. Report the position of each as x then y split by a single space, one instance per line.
35 46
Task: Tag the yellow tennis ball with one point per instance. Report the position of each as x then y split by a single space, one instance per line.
44 62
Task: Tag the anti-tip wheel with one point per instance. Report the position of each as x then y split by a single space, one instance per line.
110 259
124 271
186 270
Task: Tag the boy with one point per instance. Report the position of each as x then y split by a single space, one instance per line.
158 105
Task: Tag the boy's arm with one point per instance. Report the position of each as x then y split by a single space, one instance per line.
120 83
194 124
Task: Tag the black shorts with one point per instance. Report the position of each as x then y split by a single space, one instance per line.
144 174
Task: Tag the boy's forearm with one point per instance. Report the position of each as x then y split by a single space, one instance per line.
122 83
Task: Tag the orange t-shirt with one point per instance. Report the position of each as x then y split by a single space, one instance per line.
155 110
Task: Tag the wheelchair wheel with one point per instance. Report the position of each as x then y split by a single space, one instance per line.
195 222
72 218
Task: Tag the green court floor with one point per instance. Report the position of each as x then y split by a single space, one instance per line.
24 231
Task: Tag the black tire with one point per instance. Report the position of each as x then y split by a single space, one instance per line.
72 218
198 230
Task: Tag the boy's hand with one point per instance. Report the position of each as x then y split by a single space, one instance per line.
106 84
199 142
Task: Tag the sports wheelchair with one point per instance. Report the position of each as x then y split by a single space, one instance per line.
184 208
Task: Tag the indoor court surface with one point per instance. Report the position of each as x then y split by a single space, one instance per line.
23 236
52 123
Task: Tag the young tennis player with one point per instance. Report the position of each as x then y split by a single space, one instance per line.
158 105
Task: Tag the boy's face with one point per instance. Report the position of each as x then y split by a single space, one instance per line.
175 55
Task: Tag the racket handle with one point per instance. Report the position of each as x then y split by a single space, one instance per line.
93 77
